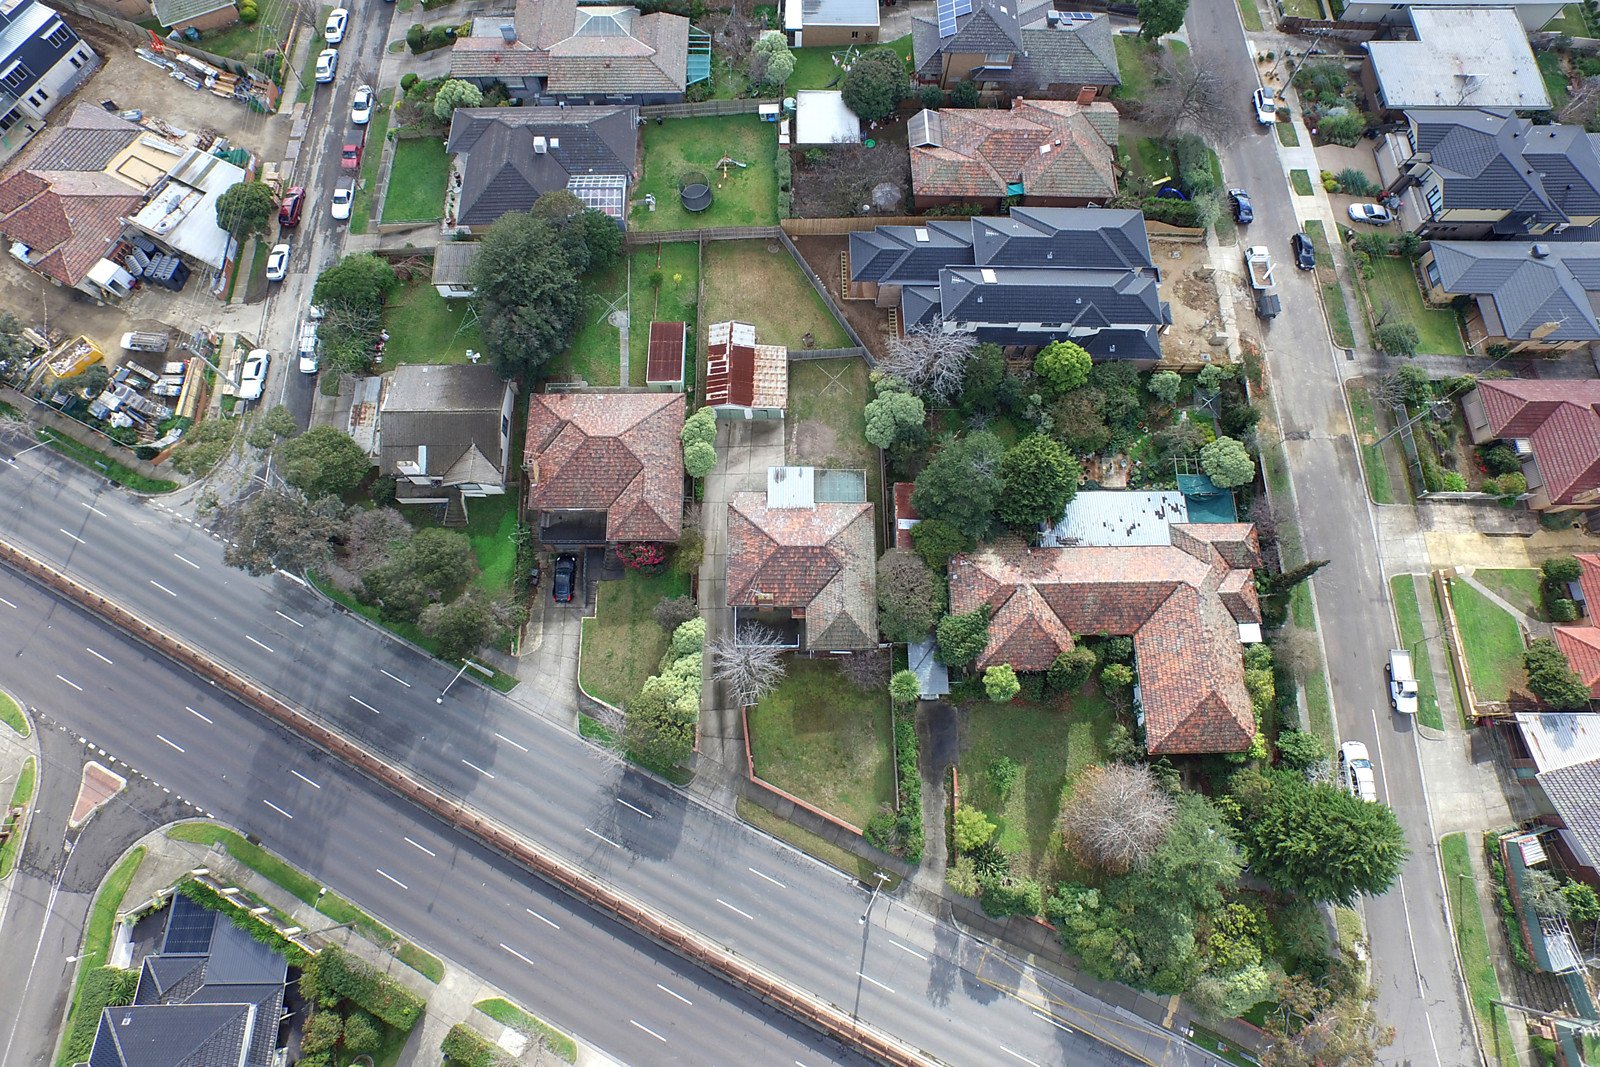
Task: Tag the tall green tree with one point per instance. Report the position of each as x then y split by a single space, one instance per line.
462 626
1227 463
1318 839
453 94
910 596
275 530
324 461
962 638
245 208
1038 478
875 83
1551 678
1063 366
961 484
1157 18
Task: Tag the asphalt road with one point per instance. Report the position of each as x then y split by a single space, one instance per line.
1413 960
905 971
542 947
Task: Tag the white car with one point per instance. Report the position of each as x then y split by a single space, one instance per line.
278 263
253 375
343 194
1376 214
1266 107
327 65
361 106
333 32
1355 771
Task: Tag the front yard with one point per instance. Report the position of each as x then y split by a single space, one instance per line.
424 327
1413 595
760 283
246 41
417 179
1493 643
741 195
622 642
673 300
1394 285
1517 586
826 741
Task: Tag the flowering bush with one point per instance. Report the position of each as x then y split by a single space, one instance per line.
646 557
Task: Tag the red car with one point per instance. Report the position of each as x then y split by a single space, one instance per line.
350 158
289 209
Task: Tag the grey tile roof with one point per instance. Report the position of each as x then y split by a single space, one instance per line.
1085 299
1495 162
1103 238
895 255
1530 293
453 410
839 13
1574 792
174 12
504 173
172 1035
87 140
1072 53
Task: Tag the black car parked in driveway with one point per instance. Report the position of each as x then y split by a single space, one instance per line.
1305 253
565 579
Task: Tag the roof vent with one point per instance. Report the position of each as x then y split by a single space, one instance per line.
1044 149
1050 254
555 143
1540 251
539 148
508 32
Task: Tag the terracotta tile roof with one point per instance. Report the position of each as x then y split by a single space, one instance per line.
742 373
1561 419
819 560
617 50
495 57
905 516
1581 645
1181 605
1052 147
70 219
1590 580
617 453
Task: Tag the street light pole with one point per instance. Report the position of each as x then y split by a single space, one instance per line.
464 665
882 878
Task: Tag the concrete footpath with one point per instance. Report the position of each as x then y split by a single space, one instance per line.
15 751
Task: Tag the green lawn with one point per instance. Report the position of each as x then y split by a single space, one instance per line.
491 527
1410 592
1051 743
84 1016
371 160
246 41
1152 160
746 196
508 1014
1555 78
814 68
1339 328
11 714
1395 283
1472 939
862 868
1135 61
1377 471
1519 587
821 738
827 422
1251 15
595 354
307 890
1569 22
417 180
1301 180
674 301
622 642
1306 9
760 283
20 797
1492 640
1288 136
424 327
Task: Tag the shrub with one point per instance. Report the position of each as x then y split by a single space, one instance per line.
248 14
1071 669
414 38
1003 772
1345 129
699 459
1192 159
1562 609
1117 676
932 97
338 973
410 77
904 688
1300 751
972 828
1562 570
1356 183
672 612
1550 677
1009 895
908 821
1000 683
1453 481
464 1048
1171 212
966 95
1164 386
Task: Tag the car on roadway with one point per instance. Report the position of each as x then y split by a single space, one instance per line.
1244 212
350 157
1305 253
307 348
1355 772
361 106
344 195
1376 214
333 30
1266 107
253 375
327 65
278 263
565 579
290 206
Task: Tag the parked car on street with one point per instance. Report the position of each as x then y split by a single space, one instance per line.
278 263
1266 107
333 30
565 579
350 157
307 349
1244 212
253 375
289 207
344 195
1355 771
1402 681
1305 253
1376 214
361 106
327 65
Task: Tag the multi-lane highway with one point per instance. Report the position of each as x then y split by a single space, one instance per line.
904 971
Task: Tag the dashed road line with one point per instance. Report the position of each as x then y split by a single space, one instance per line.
94 509
164 741
98 656
281 615
277 809
190 562
602 837
1053 1022
510 742
70 682
364 704
735 910
670 993
479 769
903 948
74 536
161 587
1018 1055
391 878
630 807
197 715
304 779
874 981
8 603
253 641
402 681
768 877
541 918
517 954
647 1030
424 848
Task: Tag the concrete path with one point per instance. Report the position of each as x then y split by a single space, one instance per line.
1536 627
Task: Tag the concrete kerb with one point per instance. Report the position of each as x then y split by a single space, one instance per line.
15 751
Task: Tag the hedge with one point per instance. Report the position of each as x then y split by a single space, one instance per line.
336 971
256 927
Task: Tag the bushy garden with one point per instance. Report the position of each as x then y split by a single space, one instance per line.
357 1010
1331 100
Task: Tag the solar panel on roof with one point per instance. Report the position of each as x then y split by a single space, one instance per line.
963 7
189 927
947 16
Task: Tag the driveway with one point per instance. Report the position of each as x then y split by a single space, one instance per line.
548 665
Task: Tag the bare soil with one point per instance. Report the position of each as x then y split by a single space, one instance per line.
870 321
1189 285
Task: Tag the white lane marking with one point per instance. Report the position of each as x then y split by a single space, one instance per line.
517 954
874 981
281 615
164 741
304 779
649 1031
95 654
94 509
768 877
277 809
602 837
510 742
1018 1055
424 848
253 641
541 918
915 953
630 807
1053 1022
364 704
75 537
7 603
670 993
190 562
74 685
161 587
391 878
196 714
479 769
735 910
402 681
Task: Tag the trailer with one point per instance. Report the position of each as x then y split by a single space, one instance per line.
1258 262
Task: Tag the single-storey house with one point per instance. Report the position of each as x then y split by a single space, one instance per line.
744 379
1557 754
1532 13
1554 426
836 23
1530 296
1459 57
1039 52
444 434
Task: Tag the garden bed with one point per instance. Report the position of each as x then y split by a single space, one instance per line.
622 642
744 196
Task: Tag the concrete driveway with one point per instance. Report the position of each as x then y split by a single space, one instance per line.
548 666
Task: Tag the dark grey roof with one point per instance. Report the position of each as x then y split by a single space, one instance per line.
503 171
897 255
1103 238
172 1035
1079 299
993 26
166 977
453 410
1528 291
1496 162
452 260
88 140
1574 792
1071 53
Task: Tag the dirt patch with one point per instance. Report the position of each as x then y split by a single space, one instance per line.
871 322
1189 285
814 442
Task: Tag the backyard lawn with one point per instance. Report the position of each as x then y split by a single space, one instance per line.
1492 640
672 301
1136 60
1569 22
622 642
371 159
424 327
745 196
416 179
821 738
491 527
1519 587
1413 594
1395 283
595 354
826 423
814 68
1051 743
760 283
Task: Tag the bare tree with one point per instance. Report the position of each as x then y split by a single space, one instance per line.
1192 99
1116 816
749 663
929 360
842 182
867 671
1266 517
369 534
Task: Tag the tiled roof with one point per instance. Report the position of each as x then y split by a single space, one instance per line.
1538 291
1574 793
616 453
1590 580
639 54
495 57
505 173
1561 420
1489 161
1076 52
88 139
71 218
1050 147
1181 605
742 373
820 559
452 411
992 27
175 12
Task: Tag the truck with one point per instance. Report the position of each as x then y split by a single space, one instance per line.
1402 682
146 341
1258 262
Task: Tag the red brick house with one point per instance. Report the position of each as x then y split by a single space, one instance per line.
1559 422
1187 605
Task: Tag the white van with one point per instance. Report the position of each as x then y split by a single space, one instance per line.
306 348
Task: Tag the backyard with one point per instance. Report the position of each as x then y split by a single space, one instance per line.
1493 643
823 739
1051 743
424 327
673 300
741 195
760 283
595 354
622 642
827 423
417 179
1394 285
1413 594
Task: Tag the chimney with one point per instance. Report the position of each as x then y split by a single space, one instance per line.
508 32
1086 95
539 146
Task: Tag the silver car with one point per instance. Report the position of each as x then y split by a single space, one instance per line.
1355 772
1376 214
